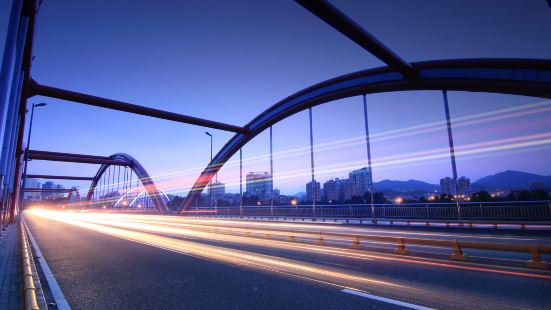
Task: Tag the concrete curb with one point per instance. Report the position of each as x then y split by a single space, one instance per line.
30 301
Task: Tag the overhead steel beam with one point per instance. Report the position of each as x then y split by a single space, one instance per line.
58 177
52 92
338 20
38 152
49 190
78 159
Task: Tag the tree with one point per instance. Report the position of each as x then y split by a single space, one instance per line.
357 199
378 198
482 196
540 194
444 198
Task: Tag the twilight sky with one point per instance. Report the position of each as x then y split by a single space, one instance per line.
230 60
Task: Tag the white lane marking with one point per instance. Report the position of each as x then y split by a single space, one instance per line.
52 282
383 299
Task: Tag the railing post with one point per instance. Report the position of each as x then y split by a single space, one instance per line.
428 213
401 249
536 261
356 242
457 252
481 212
320 240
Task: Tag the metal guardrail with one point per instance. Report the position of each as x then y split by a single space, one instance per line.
456 246
480 211
29 290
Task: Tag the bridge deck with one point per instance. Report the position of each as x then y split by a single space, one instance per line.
99 266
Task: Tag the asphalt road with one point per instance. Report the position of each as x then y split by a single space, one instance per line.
152 262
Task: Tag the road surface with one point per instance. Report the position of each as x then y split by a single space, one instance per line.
106 261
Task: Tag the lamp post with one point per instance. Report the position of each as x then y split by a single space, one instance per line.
35 105
210 185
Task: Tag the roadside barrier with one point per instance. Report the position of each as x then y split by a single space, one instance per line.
29 290
488 224
401 243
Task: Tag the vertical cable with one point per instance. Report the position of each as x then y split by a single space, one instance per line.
241 181
312 163
271 173
452 151
369 158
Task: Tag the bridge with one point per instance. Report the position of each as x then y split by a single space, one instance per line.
130 239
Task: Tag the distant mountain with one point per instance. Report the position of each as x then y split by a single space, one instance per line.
510 180
404 186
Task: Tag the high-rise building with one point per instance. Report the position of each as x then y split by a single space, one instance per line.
34 196
463 186
330 191
259 184
447 186
317 188
361 179
344 189
48 185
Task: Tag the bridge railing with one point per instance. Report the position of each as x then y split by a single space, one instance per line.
479 211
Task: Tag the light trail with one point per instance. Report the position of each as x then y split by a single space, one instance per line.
231 256
311 228
121 226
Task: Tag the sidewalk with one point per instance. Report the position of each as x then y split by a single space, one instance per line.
10 269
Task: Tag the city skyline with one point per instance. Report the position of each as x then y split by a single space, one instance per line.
219 187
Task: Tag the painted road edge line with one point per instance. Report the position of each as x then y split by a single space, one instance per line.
383 299
59 298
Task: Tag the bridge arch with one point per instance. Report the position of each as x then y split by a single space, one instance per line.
528 77
154 193
73 195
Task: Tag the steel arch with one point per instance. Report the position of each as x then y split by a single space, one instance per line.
70 194
528 77
147 182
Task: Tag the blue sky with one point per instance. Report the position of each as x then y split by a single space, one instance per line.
229 61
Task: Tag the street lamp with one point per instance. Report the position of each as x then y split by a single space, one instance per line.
35 105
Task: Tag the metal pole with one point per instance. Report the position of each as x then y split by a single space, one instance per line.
452 152
369 158
312 163
271 174
26 159
26 156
